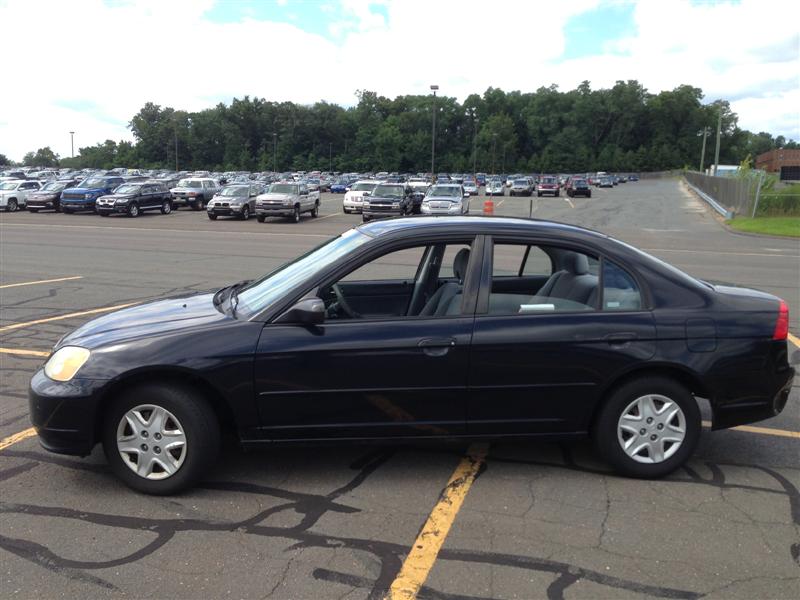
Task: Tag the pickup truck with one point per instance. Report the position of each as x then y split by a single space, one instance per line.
132 198
287 200
86 194
194 192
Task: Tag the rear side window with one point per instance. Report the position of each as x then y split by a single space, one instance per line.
620 291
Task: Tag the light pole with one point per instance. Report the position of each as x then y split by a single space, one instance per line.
494 147
716 152
72 142
433 135
704 133
274 152
474 144
330 157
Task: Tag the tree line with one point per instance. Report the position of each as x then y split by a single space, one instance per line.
624 128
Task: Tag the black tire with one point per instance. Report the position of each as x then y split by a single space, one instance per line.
66 211
133 210
295 218
212 216
33 210
261 218
605 428
199 204
245 213
200 428
315 211
12 205
538 194
589 195
166 207
345 211
57 206
103 214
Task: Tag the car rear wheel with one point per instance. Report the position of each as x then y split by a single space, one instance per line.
315 211
166 207
212 216
33 210
11 206
245 213
261 218
295 215
648 427
159 439
199 204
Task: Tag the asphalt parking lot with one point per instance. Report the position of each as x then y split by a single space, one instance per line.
538 520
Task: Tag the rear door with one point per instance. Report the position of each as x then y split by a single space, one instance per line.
540 361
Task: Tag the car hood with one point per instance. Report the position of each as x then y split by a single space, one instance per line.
161 316
276 197
442 199
96 190
118 196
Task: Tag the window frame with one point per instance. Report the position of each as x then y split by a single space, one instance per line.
482 304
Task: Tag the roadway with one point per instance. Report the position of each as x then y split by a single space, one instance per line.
521 520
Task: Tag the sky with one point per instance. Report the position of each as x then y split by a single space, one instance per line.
89 65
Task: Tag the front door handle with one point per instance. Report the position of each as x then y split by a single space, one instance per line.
436 346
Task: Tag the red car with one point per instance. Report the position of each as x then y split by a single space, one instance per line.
547 185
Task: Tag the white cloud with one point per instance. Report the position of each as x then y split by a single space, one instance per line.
107 60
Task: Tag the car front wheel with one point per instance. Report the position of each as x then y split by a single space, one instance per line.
166 207
245 213
160 439
648 427
11 206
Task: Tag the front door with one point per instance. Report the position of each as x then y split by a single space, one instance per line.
391 358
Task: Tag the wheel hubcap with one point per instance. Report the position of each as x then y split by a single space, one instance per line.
151 442
651 429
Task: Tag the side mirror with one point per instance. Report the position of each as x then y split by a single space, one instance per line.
309 311
365 194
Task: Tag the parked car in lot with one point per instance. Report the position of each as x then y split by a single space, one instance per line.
446 199
48 196
419 187
577 186
471 186
547 185
495 187
194 192
84 196
456 324
387 200
356 194
14 193
132 198
521 187
633 178
235 200
340 186
287 199
605 182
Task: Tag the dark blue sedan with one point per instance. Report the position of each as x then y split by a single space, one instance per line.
422 328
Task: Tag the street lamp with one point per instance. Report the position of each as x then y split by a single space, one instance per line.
330 157
494 147
474 144
433 135
274 152
72 142
716 152
704 133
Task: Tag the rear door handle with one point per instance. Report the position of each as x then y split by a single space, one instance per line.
618 339
436 346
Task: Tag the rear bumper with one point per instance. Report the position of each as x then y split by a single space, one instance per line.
750 411
64 413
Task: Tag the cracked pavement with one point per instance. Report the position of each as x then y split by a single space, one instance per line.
542 520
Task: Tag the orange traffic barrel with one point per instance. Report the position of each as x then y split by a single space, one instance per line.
488 207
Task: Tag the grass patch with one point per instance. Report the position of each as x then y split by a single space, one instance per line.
788 226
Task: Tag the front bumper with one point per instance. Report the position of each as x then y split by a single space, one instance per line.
64 413
112 208
352 205
548 191
40 204
225 211
455 209
380 213
274 211
78 205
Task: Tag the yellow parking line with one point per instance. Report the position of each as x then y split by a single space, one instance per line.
82 313
795 340
762 430
17 437
23 352
426 547
11 285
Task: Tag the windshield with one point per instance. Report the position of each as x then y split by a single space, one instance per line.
272 287
390 191
53 187
282 188
448 191
236 190
520 182
92 182
127 188
363 187
190 183
548 180
578 182
9 186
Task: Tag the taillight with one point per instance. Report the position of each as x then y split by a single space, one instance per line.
782 324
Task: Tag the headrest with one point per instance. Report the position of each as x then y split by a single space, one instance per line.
460 263
576 263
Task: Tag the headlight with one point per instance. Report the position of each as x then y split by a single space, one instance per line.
395 205
63 365
287 202
88 196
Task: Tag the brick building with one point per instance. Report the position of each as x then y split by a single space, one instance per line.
783 161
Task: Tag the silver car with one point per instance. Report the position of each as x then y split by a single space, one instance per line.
235 200
446 199
495 187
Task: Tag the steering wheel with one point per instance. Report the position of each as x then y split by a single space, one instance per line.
343 304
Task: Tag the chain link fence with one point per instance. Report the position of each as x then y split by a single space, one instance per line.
735 194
